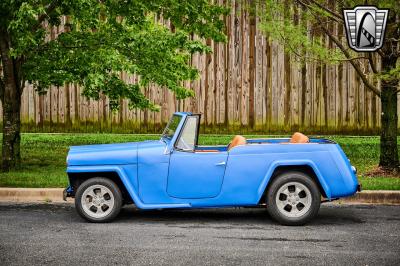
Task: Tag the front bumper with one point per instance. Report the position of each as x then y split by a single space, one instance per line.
354 170
68 192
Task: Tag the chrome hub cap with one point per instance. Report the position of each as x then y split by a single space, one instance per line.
97 201
293 199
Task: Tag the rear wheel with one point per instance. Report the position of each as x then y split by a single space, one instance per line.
98 200
293 198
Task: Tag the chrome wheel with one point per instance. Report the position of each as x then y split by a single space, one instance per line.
97 201
293 199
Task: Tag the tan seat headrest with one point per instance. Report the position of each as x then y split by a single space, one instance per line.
299 138
236 141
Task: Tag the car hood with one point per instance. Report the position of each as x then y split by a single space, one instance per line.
108 154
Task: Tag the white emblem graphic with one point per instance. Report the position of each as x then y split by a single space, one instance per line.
365 27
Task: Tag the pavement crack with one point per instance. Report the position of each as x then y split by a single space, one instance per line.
297 257
274 239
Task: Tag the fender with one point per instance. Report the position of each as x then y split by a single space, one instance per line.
276 164
120 172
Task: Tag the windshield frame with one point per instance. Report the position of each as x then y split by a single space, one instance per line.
196 136
169 137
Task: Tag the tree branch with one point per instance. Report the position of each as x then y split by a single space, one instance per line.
380 53
334 14
352 62
49 8
339 44
294 51
372 64
352 58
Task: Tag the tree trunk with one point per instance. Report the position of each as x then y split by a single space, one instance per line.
11 132
11 99
389 158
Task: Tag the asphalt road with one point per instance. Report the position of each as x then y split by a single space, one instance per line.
38 234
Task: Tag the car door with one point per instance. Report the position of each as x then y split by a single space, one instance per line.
194 175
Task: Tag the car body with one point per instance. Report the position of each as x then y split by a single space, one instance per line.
175 172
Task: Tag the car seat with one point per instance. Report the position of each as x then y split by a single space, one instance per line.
299 138
237 141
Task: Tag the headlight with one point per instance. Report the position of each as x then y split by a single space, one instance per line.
354 169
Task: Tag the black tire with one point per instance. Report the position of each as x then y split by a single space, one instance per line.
286 178
116 193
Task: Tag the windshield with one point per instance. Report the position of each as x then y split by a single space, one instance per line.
169 131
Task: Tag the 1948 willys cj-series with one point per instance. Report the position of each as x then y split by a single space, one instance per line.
287 175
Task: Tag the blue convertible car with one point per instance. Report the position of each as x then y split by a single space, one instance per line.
288 176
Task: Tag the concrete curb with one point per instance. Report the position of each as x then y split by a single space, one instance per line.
56 195
31 194
374 197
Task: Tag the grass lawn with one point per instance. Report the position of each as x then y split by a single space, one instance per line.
43 157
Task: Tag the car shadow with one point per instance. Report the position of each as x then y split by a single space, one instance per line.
222 216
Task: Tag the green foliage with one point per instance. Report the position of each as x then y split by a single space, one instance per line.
392 74
292 26
298 26
104 39
44 157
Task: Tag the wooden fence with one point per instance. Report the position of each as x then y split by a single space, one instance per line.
248 84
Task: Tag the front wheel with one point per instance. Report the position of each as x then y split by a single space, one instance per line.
293 198
98 200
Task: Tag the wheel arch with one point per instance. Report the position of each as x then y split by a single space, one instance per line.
77 178
132 191
306 167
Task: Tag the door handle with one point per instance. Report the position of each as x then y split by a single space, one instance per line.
221 163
